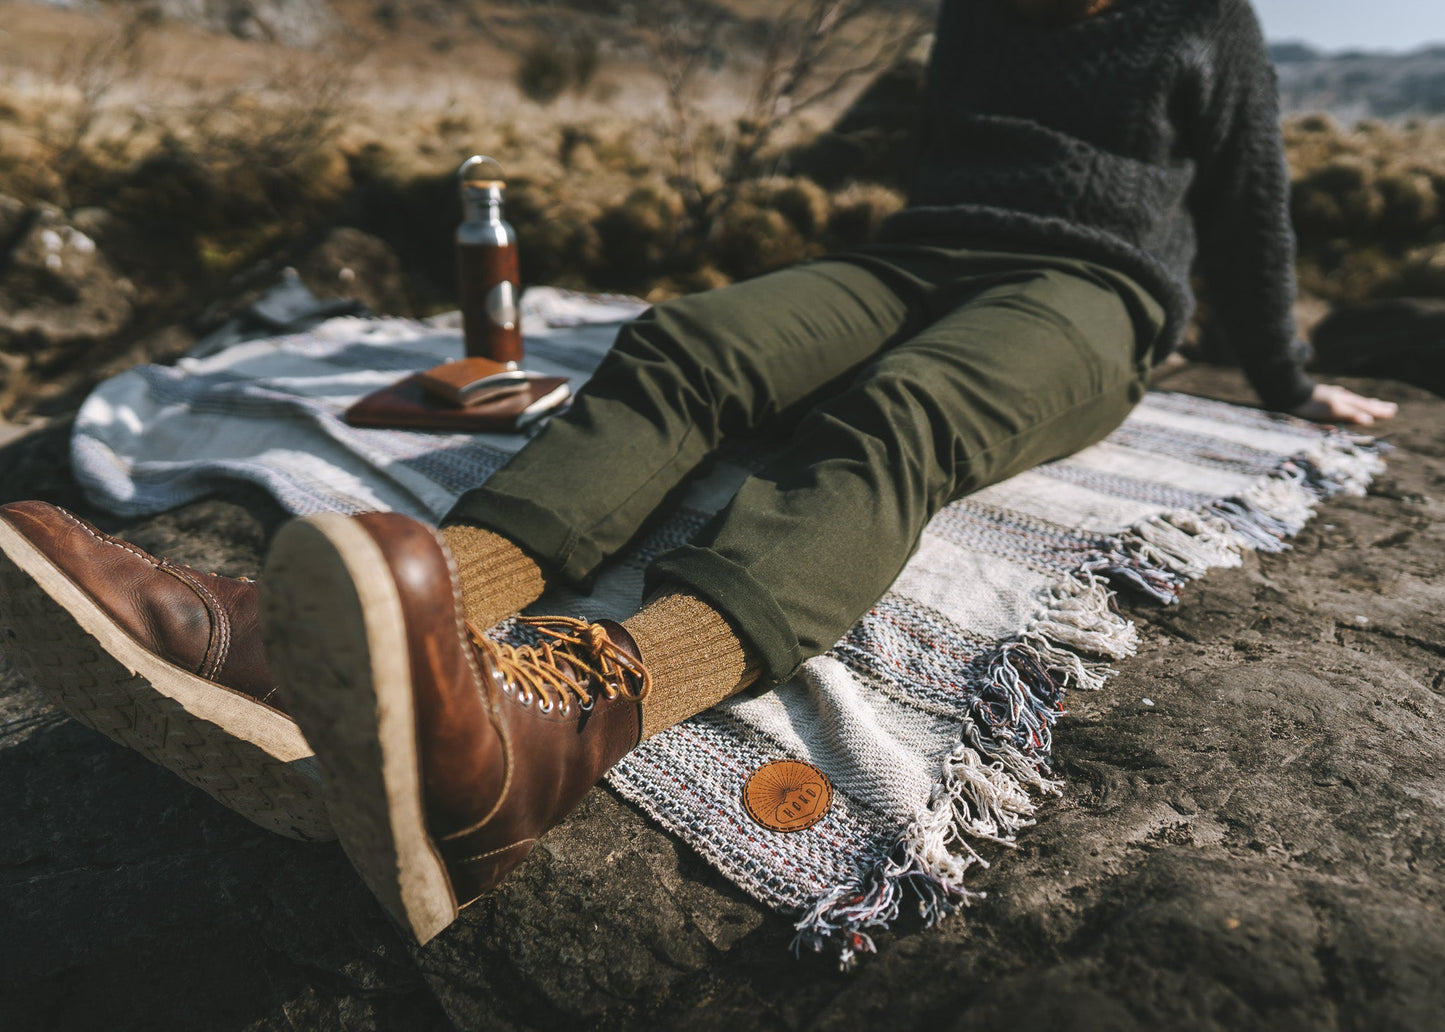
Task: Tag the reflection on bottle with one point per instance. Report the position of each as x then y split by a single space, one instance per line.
502 305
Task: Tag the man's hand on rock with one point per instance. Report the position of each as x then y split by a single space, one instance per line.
1331 403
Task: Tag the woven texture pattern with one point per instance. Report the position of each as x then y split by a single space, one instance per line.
932 718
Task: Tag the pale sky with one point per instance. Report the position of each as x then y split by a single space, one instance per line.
1354 24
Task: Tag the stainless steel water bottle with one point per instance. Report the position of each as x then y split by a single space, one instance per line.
488 284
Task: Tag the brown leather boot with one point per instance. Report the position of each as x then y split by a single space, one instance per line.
444 755
161 658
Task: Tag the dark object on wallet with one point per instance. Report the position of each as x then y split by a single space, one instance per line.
406 405
1401 338
471 381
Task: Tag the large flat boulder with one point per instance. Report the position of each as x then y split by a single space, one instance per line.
1252 836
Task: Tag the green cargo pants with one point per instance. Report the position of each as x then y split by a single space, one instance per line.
900 377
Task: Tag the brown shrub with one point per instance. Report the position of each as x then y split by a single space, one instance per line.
706 277
545 72
1340 198
802 202
746 239
563 248
639 238
1411 203
551 65
1367 203
1421 275
858 210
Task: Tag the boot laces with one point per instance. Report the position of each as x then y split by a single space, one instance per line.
532 672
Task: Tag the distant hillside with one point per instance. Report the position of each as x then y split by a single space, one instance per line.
1356 84
738 27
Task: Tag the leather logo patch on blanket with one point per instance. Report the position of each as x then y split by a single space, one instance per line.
787 795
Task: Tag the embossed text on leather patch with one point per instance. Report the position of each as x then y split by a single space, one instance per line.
787 795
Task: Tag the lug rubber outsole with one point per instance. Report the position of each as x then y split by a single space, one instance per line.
245 755
333 620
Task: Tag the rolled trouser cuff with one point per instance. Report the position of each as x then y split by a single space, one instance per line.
730 589
557 546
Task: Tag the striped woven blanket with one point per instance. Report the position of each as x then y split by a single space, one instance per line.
931 719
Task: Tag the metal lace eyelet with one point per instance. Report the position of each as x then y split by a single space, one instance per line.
545 706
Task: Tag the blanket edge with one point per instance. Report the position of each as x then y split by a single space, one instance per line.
991 782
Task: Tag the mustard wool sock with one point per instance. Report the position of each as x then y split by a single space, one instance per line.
497 578
695 657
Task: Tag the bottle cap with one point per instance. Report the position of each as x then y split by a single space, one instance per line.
481 171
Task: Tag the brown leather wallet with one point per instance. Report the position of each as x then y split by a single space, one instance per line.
406 405
471 381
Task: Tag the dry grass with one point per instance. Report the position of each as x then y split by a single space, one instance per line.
240 151
1367 204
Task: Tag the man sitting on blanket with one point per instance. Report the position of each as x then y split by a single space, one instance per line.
1079 156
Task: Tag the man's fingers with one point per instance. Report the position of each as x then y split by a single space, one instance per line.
1363 410
1331 403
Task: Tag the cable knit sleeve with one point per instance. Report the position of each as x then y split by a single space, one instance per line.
1240 204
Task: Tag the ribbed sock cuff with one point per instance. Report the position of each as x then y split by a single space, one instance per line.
745 603
497 578
695 658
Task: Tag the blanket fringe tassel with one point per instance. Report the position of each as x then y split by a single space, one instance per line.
991 778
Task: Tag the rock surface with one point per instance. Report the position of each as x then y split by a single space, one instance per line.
61 300
86 294
1399 336
355 265
1251 838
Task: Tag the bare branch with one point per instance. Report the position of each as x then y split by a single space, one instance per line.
809 59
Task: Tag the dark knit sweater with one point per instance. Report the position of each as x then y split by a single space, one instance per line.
1141 138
